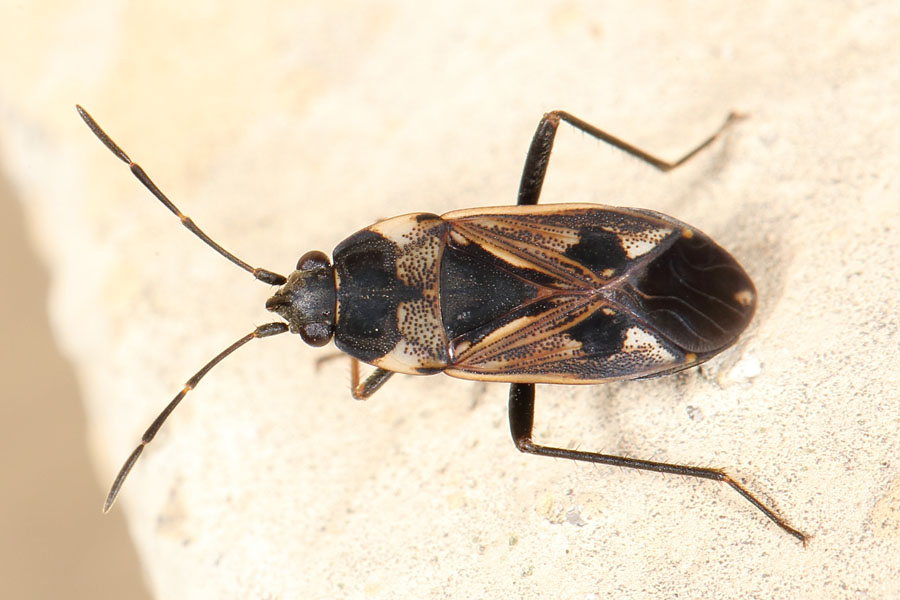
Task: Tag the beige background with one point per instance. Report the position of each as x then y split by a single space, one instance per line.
285 126
56 543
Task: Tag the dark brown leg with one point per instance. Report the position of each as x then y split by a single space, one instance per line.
362 391
542 144
521 423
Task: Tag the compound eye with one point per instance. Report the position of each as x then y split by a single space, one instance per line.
312 260
316 334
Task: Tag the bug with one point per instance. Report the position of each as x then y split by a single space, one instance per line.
524 294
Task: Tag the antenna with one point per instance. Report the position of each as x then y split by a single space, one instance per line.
267 330
263 275
262 331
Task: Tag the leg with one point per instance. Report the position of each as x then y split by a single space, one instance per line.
362 391
542 144
521 422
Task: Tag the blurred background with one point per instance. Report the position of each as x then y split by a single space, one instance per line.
56 542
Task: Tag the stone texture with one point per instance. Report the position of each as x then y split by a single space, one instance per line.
282 128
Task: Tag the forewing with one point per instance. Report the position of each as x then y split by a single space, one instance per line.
563 246
565 339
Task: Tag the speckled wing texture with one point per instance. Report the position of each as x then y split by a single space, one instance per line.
581 293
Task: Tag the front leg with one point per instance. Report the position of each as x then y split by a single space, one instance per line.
371 384
542 145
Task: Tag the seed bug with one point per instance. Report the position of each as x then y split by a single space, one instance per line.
524 294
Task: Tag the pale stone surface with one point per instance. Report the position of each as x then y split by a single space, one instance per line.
283 128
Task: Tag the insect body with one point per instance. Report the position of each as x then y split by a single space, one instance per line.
526 294
570 293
